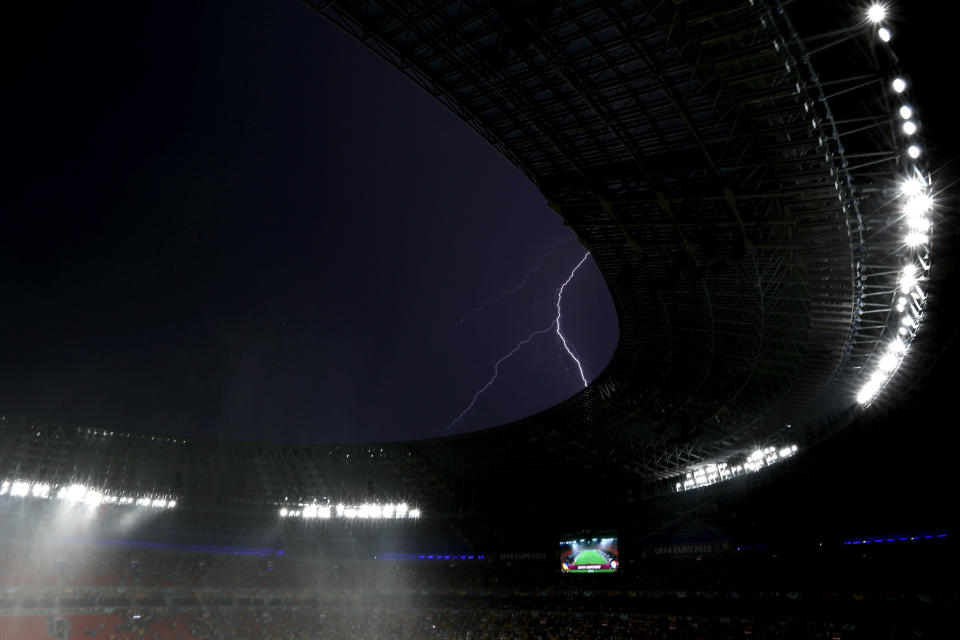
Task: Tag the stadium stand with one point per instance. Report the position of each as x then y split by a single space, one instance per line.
117 535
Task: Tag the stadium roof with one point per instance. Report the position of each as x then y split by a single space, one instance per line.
735 181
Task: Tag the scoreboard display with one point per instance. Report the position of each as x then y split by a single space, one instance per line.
589 555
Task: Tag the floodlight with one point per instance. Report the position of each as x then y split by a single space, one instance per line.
909 127
918 205
906 112
908 278
73 493
884 34
899 84
20 488
918 223
876 13
913 151
912 187
917 239
888 363
4 487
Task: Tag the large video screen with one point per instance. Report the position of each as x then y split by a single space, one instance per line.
589 555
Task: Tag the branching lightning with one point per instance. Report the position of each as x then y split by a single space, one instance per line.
523 283
553 326
496 372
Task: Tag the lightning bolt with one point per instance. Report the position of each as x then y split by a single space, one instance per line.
553 326
523 282
496 372
556 321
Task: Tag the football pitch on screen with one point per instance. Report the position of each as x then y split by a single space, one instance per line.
589 556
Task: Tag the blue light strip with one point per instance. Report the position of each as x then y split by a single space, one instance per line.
877 540
434 556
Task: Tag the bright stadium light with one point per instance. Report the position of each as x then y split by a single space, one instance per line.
918 223
912 187
913 151
712 473
909 127
884 34
4 487
888 363
906 112
918 205
365 511
20 489
908 278
917 239
899 84
73 493
40 490
876 13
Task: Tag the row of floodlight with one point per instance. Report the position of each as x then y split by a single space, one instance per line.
79 494
366 511
714 472
916 203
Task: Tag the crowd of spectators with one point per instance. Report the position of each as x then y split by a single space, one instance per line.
475 623
118 593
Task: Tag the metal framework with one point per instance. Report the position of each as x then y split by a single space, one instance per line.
732 180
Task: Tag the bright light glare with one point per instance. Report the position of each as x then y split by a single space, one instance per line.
916 239
888 363
899 85
918 205
366 511
906 112
876 13
712 473
913 186
909 127
908 278
884 34
913 151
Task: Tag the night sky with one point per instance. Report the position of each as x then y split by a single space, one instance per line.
230 220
